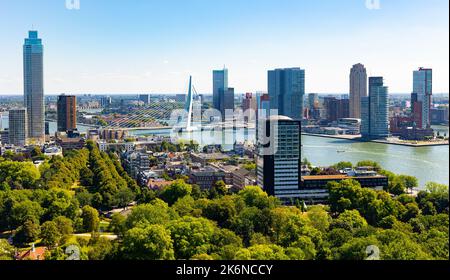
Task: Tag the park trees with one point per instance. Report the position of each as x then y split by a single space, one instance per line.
100 248
225 243
262 252
157 212
124 197
27 233
182 222
437 194
60 202
23 211
369 163
64 225
6 250
110 184
117 224
342 165
191 236
221 210
18 175
64 172
372 205
251 220
175 191
149 242
90 218
185 206
349 220
219 189
254 196
50 234
319 218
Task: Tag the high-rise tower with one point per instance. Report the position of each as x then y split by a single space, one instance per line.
423 89
18 127
67 113
358 89
220 86
33 78
286 91
375 110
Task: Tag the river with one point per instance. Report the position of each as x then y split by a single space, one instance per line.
426 163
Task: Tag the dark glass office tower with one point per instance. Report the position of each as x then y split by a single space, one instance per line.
67 113
220 86
279 157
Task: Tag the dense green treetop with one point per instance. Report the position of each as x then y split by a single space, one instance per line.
72 194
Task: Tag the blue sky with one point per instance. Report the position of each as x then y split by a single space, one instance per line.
135 46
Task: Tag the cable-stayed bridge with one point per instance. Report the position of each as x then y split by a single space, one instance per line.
148 118
187 119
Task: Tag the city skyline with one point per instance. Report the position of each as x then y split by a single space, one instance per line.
81 51
224 131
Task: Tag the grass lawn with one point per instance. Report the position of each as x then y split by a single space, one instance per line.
103 226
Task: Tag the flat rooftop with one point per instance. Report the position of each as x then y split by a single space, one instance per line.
338 177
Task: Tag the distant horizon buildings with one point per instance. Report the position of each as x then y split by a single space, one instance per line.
250 106
226 97
286 88
421 97
358 89
67 113
336 108
18 127
145 98
33 78
105 101
313 105
375 110
263 106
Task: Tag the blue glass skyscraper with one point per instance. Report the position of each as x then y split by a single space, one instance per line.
33 78
286 91
375 110
220 85
423 87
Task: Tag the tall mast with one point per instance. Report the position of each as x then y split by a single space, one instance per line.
189 105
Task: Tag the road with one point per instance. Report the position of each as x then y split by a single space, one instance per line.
107 236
